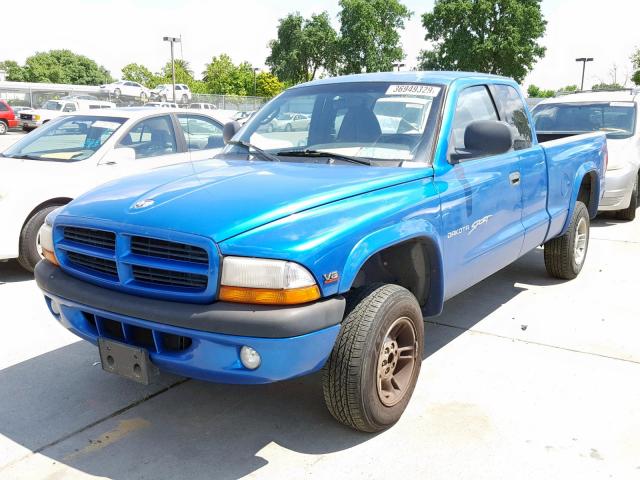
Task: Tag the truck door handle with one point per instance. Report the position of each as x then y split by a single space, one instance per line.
514 178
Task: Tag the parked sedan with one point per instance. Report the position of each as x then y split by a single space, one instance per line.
289 122
125 88
74 153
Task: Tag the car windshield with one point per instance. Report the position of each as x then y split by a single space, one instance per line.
617 119
66 139
52 105
383 122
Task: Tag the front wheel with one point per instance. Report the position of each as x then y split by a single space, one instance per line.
30 250
143 97
116 93
374 366
3 128
564 256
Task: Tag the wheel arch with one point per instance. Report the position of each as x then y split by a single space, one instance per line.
410 257
586 188
48 203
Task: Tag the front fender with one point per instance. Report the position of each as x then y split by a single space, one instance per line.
414 229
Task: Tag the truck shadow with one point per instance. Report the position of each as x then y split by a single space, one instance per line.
191 429
11 272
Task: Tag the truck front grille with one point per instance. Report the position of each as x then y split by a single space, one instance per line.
137 263
26 116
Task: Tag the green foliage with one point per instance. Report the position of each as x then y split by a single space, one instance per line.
64 66
268 85
303 47
223 77
570 88
15 72
635 60
536 92
369 34
493 36
139 73
607 86
635 78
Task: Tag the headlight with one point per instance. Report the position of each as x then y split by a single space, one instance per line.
267 282
36 117
45 237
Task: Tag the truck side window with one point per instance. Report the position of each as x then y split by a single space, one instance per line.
474 103
515 114
69 107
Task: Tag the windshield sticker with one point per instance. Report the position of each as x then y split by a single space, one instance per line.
621 104
105 124
412 89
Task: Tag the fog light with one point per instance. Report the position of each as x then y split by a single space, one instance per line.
249 357
55 308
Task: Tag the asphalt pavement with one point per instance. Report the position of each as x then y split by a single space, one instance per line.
524 377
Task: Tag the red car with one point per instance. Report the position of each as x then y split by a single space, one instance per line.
7 117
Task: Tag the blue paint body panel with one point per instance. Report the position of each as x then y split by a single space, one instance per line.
332 218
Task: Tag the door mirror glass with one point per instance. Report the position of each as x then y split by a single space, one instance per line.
229 130
118 156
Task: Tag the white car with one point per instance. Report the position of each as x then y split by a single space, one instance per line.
74 153
203 106
615 113
161 105
164 92
126 88
30 119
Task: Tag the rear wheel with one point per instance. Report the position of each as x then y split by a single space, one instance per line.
564 256
374 366
30 250
629 213
116 93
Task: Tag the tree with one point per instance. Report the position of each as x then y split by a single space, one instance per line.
493 36
635 60
268 85
536 92
607 86
369 34
303 47
15 72
64 66
141 74
570 88
218 75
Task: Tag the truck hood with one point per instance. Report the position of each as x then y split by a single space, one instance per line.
623 151
219 199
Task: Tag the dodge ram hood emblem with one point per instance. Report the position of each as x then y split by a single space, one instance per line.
143 203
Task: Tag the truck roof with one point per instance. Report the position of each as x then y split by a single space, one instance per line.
603 96
442 78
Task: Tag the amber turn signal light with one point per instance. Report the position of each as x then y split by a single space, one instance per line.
267 296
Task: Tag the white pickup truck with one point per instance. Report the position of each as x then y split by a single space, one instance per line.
30 119
76 152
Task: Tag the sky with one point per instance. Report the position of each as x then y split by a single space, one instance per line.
118 32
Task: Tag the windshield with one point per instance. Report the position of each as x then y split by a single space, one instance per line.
383 122
617 119
52 105
67 139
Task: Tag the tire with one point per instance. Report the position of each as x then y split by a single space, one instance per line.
354 374
564 256
143 97
163 98
185 99
116 93
3 127
29 255
288 127
629 213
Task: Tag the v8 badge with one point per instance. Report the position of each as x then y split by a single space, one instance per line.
330 277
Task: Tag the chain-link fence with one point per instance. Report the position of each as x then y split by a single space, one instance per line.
34 95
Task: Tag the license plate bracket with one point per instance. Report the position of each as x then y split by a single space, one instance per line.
126 360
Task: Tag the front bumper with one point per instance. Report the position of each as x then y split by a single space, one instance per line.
618 187
194 340
28 124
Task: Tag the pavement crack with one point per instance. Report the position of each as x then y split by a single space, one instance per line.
532 342
97 422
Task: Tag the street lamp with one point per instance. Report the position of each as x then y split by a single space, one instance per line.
255 70
398 65
584 61
173 40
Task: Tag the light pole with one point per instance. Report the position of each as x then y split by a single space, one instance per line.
398 65
173 40
584 61
255 70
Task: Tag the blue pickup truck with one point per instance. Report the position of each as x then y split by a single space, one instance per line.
322 244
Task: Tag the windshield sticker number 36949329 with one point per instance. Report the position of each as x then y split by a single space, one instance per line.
413 89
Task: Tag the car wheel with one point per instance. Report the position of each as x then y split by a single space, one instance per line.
30 251
374 366
116 93
288 127
629 213
185 99
564 256
143 97
163 98
3 128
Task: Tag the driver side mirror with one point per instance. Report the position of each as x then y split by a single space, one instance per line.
119 155
482 139
229 130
